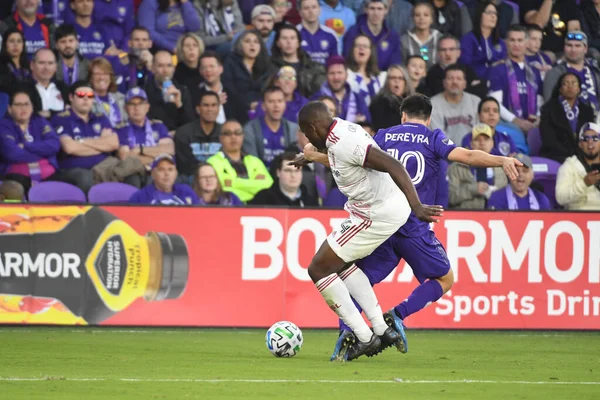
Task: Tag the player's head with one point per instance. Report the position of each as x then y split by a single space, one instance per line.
416 108
314 120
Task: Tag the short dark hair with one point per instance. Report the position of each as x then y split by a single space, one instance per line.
140 28
19 89
516 28
206 93
415 56
271 89
534 27
455 67
78 85
485 100
210 54
62 31
286 156
416 106
556 88
448 37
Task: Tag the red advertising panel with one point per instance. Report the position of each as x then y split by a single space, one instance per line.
247 267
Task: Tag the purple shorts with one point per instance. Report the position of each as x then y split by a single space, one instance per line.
425 254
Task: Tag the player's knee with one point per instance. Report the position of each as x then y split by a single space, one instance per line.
447 281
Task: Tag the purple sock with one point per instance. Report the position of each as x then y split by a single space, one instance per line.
424 294
343 326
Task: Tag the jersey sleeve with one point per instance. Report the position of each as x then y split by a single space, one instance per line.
163 132
354 147
497 79
442 145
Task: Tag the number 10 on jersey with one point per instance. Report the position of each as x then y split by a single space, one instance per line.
417 177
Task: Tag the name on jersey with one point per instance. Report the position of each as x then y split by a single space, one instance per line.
407 137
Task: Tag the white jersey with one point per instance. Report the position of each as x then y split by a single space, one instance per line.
372 195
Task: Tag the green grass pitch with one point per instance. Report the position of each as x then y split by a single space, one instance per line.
92 363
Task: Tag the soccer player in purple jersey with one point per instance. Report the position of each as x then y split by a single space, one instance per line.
420 150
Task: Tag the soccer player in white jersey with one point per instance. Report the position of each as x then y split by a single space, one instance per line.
380 198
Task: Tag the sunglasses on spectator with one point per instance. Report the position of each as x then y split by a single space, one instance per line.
230 133
575 36
585 138
81 95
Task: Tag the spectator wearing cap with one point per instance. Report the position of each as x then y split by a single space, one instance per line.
72 67
267 137
108 101
169 100
37 29
575 49
449 54
319 41
578 179
455 111
287 52
246 7
351 106
482 47
286 80
163 190
28 143
86 138
562 118
220 20
167 20
287 190
516 85
240 173
373 25
423 39
141 137
469 188
199 140
364 76
247 69
263 21
335 15
556 17
518 195
488 112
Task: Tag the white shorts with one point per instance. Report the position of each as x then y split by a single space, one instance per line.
356 238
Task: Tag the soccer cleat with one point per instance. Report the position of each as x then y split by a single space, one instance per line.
395 322
358 348
340 352
389 338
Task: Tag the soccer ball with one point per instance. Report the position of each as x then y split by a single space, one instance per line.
284 339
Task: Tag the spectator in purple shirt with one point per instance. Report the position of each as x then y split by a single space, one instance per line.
117 19
28 144
534 57
108 101
518 195
93 41
13 59
208 188
167 20
86 138
319 41
482 47
37 29
374 26
364 75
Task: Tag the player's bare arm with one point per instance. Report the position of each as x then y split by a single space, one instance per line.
310 154
383 162
477 158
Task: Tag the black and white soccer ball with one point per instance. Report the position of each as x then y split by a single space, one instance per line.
284 339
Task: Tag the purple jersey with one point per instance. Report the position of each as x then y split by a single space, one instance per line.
320 46
92 43
500 82
419 150
274 142
34 37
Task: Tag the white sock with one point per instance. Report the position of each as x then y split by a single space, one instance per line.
361 290
338 299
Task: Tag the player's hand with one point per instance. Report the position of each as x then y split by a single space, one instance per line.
592 178
300 161
310 152
509 165
428 213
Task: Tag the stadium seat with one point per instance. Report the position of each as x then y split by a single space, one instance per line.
534 140
545 174
515 134
111 192
3 104
56 192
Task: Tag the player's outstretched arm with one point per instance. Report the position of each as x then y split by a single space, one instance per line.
381 161
309 155
477 158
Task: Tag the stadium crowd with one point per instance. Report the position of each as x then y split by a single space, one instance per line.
196 101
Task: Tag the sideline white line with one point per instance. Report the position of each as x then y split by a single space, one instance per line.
395 381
